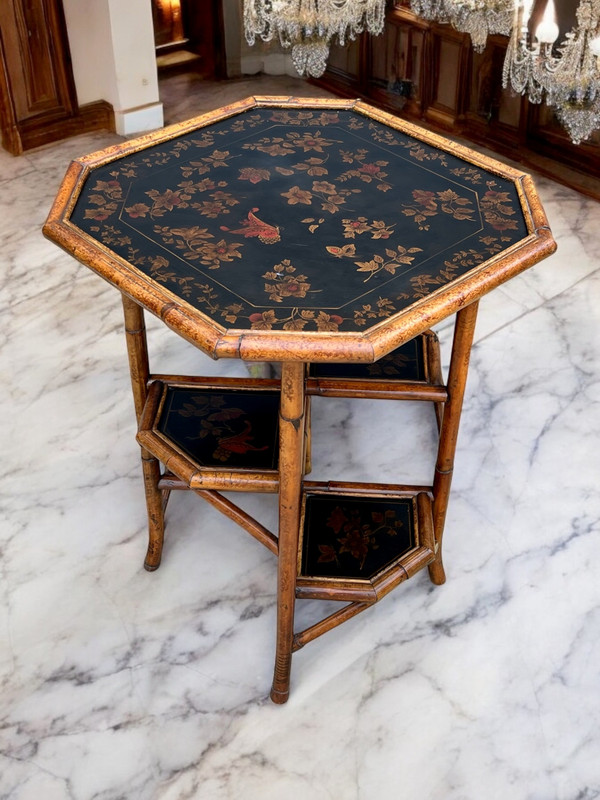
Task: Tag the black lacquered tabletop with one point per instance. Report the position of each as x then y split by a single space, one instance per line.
299 219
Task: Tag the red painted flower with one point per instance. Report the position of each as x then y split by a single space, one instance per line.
369 169
424 198
110 188
336 520
254 175
264 321
138 210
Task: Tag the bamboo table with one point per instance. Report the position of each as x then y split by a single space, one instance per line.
326 235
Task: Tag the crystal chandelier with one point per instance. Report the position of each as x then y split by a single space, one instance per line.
478 18
308 26
566 76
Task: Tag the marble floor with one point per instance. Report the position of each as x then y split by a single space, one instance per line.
119 684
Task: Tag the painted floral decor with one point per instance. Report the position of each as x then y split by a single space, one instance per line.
222 429
352 537
299 219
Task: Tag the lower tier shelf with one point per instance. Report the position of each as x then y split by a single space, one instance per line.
217 437
222 433
359 542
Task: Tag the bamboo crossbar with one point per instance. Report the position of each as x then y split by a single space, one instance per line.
216 382
223 482
322 387
327 624
370 489
375 390
344 591
244 520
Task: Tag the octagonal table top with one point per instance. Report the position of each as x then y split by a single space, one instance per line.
281 228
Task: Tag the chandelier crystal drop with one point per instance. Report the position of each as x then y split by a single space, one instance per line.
478 18
566 76
310 26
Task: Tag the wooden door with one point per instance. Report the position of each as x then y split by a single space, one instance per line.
38 103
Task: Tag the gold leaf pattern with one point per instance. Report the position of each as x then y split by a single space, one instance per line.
348 250
396 259
429 204
377 228
286 282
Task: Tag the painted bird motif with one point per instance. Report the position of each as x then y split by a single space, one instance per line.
239 443
253 226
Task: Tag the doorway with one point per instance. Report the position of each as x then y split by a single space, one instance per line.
189 37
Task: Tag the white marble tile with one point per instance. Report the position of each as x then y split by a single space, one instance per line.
116 683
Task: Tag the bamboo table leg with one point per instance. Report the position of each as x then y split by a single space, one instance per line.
137 350
291 465
457 378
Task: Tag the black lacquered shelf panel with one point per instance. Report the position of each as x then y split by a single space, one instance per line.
213 437
355 537
218 428
357 543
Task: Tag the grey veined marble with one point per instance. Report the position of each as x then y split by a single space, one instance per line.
120 684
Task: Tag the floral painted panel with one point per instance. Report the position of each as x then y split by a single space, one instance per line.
351 537
299 219
222 429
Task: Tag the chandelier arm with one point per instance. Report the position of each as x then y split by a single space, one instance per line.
567 76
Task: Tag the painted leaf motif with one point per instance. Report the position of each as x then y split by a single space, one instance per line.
323 186
328 322
254 175
448 194
327 553
226 414
345 250
296 324
462 214
367 266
